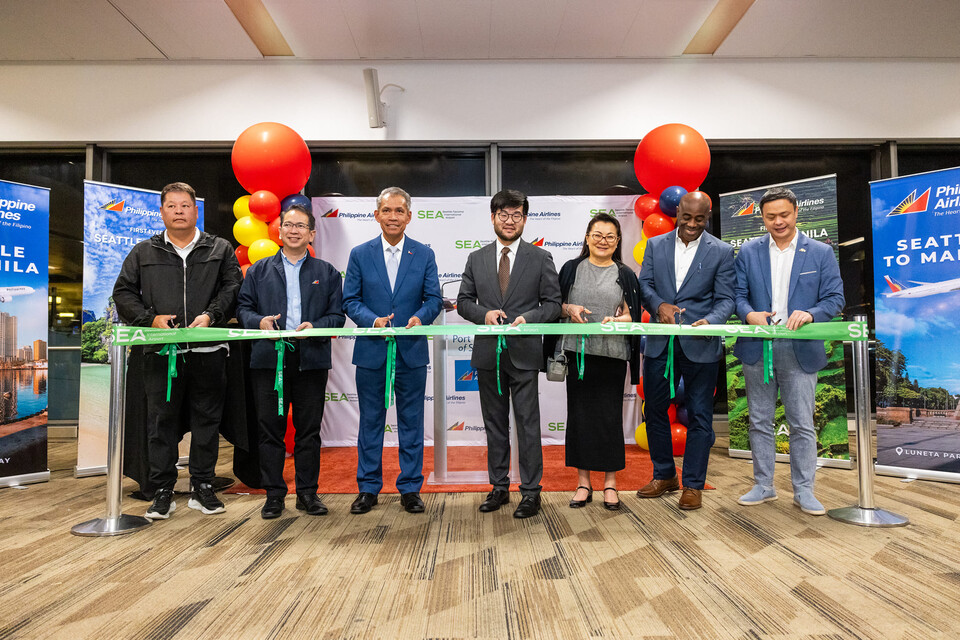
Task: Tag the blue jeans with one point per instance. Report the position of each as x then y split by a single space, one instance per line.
797 392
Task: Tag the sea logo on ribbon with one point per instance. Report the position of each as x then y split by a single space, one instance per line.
465 376
113 205
458 426
538 242
331 213
912 204
746 210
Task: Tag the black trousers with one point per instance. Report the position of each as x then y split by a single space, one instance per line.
197 393
523 386
306 391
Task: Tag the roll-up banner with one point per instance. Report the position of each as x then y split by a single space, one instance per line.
740 220
115 218
24 252
453 227
916 271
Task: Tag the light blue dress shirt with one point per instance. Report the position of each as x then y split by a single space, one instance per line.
291 272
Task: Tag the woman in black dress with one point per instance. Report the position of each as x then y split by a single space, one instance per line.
598 287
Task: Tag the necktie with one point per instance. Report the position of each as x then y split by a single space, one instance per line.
393 265
503 271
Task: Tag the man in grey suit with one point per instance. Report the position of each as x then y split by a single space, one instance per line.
687 276
510 281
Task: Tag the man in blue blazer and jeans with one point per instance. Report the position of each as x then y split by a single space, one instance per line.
291 290
686 277
391 281
785 278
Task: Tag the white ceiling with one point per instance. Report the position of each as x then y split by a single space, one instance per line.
129 30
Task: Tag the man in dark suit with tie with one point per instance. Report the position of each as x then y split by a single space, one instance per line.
784 277
391 280
510 281
687 276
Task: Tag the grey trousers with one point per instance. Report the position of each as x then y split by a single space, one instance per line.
797 392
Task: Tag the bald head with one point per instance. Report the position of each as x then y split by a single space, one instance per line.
693 213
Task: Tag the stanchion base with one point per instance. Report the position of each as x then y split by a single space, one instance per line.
868 517
101 527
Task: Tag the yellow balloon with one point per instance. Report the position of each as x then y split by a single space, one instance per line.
241 207
248 229
263 248
641 436
638 250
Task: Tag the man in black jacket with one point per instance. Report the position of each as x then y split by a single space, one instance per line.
182 276
294 291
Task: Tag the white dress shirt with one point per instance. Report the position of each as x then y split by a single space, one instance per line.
683 258
511 255
781 264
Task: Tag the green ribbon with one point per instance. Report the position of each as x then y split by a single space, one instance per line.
280 345
668 371
501 345
856 331
170 350
581 356
767 361
391 371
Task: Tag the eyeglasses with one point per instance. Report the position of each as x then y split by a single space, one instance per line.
503 216
299 226
610 238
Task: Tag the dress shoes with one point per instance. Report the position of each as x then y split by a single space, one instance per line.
310 503
691 499
580 504
494 500
657 487
272 508
611 506
528 507
363 503
412 503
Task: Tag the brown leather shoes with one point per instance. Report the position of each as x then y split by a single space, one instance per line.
656 488
690 499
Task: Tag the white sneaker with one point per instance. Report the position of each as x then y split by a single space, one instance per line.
163 505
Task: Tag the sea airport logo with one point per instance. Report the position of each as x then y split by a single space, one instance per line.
538 242
470 244
746 210
912 204
113 205
337 396
465 376
438 214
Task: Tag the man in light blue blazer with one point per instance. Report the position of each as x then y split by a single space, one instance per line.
391 280
686 277
785 278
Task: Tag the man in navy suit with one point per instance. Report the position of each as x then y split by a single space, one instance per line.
295 291
784 277
687 276
391 280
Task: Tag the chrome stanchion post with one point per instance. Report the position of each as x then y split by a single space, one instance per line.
115 523
440 405
865 513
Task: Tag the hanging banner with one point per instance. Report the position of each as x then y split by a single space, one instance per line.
24 252
817 218
454 227
916 271
115 218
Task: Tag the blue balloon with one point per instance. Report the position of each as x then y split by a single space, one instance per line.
683 417
670 200
681 394
296 198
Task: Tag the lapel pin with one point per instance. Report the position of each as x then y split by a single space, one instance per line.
802 249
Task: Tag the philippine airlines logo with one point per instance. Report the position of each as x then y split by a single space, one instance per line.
747 210
912 204
458 426
538 242
113 205
332 213
465 376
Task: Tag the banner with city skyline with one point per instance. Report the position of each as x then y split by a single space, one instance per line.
24 254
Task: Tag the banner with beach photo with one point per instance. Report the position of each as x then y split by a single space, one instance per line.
740 220
24 252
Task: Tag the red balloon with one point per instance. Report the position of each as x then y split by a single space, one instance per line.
640 388
241 253
645 205
288 436
672 154
678 434
313 254
672 413
273 231
273 157
264 205
645 316
657 224
243 269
